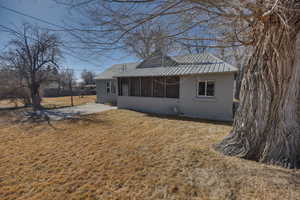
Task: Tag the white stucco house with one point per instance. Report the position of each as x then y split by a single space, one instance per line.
198 85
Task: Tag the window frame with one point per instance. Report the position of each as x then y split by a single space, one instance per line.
144 88
108 86
122 81
135 86
157 87
113 87
176 84
205 95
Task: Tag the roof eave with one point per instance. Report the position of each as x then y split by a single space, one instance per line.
107 78
191 74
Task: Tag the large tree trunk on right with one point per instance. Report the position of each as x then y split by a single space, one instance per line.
266 126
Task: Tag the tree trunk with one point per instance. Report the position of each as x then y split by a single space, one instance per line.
71 90
238 82
26 101
72 101
266 125
35 97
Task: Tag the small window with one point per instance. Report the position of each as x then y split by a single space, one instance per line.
108 87
206 88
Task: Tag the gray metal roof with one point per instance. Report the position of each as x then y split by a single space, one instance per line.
185 65
110 72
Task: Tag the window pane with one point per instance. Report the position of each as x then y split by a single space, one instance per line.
146 86
172 87
107 87
120 86
201 88
135 87
210 90
113 87
159 87
125 87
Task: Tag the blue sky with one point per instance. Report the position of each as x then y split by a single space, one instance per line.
54 13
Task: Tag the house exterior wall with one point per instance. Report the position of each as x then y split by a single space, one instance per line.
102 96
216 108
189 104
149 104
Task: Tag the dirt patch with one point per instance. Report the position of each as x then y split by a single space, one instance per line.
122 154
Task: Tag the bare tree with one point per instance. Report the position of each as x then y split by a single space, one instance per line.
190 44
12 87
194 46
266 124
61 78
33 55
91 36
147 39
71 81
88 77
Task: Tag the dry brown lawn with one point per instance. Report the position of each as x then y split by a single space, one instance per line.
123 154
53 102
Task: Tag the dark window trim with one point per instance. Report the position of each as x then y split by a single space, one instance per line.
205 81
108 87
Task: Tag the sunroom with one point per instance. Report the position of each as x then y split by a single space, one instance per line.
191 85
155 87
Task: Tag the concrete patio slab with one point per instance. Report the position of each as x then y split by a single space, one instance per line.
71 112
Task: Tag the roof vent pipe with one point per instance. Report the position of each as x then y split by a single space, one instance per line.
124 69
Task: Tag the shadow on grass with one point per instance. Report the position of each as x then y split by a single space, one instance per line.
51 117
184 118
45 107
72 117
13 108
87 118
13 115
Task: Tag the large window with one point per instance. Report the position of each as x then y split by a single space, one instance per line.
172 87
164 87
135 87
159 86
206 88
123 86
147 87
113 87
